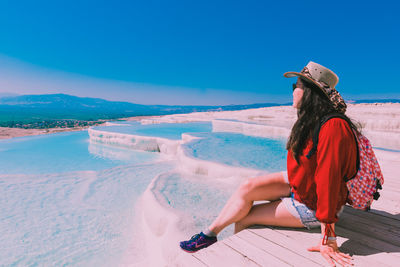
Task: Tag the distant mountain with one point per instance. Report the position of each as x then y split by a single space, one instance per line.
31 108
391 100
62 101
5 94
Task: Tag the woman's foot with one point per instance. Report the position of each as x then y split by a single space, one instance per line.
198 242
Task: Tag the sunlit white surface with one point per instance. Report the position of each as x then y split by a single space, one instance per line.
68 201
81 218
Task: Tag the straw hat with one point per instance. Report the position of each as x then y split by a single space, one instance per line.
323 78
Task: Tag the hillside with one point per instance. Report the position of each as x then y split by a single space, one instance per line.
29 110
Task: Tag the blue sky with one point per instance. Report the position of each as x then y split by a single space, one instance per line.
196 52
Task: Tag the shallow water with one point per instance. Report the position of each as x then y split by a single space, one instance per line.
67 201
63 152
239 150
199 199
77 218
165 130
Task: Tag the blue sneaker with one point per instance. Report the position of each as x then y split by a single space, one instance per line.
198 242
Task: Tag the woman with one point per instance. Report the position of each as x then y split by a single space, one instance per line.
312 192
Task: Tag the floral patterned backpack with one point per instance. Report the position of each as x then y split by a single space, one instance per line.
363 187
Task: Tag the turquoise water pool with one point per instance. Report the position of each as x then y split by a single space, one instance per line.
63 152
240 150
67 201
165 130
200 200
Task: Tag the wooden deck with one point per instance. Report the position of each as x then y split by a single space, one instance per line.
372 238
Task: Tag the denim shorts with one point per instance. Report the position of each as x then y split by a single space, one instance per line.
301 211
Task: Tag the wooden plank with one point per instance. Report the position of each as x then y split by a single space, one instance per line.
376 229
311 238
373 216
308 238
287 241
388 224
186 259
362 261
368 261
219 253
373 242
385 214
284 248
389 206
258 255
366 240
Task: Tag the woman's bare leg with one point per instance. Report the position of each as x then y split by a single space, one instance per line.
269 187
272 213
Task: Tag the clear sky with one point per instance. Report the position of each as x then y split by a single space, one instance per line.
196 52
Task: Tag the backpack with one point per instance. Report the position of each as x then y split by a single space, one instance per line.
364 185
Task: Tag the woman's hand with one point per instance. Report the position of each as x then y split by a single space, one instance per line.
331 252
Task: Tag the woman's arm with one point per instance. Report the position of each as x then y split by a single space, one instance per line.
333 157
336 159
328 246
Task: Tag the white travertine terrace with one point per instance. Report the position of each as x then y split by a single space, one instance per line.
162 224
381 124
145 143
380 121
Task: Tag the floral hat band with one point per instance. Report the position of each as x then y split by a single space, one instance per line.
325 79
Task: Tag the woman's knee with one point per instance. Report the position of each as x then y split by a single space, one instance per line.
246 187
250 184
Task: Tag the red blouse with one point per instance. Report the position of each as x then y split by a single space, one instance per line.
318 182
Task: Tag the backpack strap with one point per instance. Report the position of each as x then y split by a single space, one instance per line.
315 138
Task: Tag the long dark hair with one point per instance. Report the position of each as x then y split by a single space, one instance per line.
313 106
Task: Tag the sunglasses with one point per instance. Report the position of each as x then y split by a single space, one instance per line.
295 85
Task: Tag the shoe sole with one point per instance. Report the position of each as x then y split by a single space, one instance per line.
188 251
